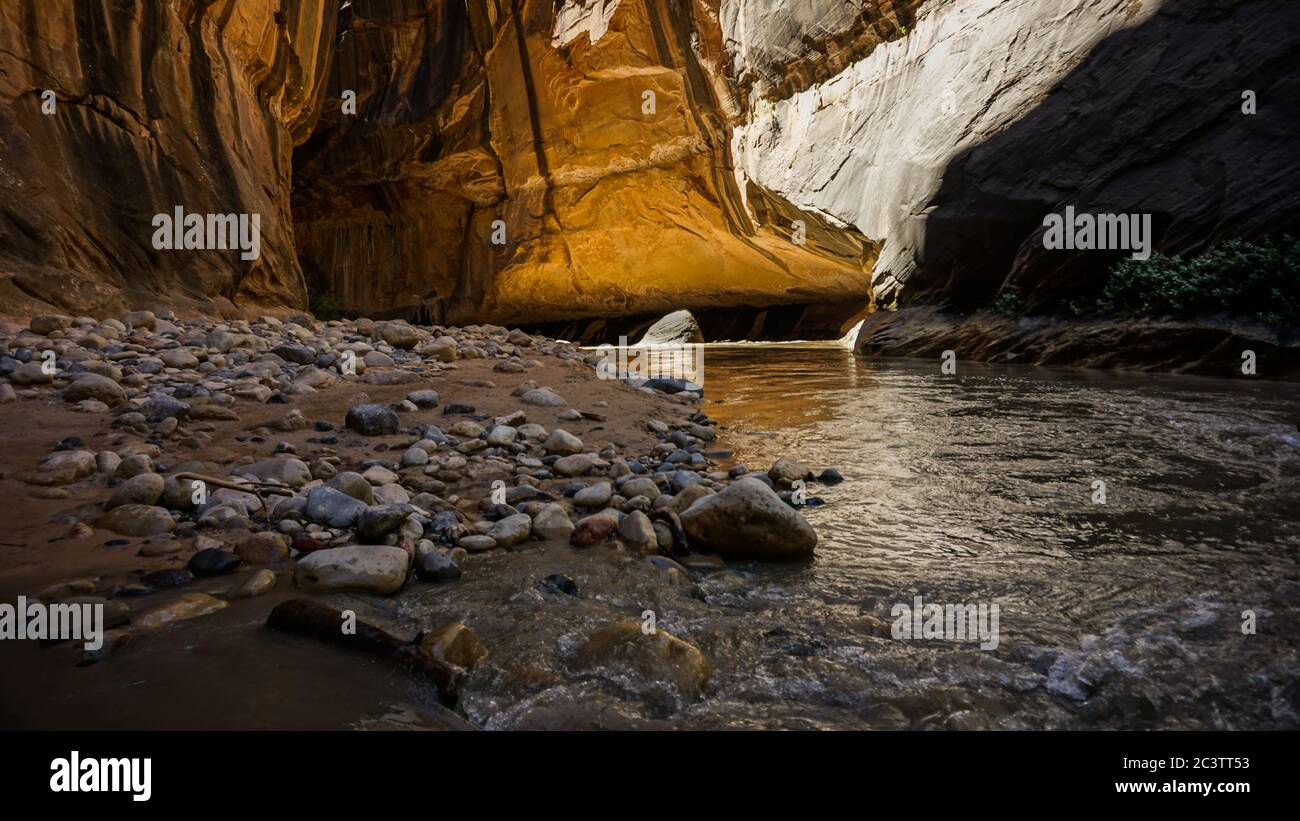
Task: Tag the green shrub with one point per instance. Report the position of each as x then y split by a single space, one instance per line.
1260 282
322 305
1008 303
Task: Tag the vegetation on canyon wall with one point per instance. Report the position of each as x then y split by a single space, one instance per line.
1255 282
1259 282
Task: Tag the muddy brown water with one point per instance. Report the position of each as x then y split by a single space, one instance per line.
969 489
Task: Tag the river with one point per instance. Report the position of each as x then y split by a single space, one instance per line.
979 487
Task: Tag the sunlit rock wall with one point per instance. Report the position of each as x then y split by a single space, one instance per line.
157 105
591 138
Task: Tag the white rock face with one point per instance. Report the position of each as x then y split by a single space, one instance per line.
578 17
868 147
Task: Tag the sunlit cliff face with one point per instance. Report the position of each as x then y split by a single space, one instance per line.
571 164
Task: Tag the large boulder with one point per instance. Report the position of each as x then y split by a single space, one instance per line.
748 520
360 568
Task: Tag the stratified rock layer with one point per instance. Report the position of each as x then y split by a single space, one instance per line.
156 105
508 163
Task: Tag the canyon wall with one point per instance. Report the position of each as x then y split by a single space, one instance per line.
585 166
561 165
156 105
952 144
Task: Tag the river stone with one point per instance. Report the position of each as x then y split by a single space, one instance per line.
372 420
378 521
502 435
575 465
361 568
213 561
31 373
188 606
443 349
400 335
64 468
597 495
415 457
512 529
142 489
141 319
258 583
636 530
423 399
181 360
454 644
640 486
788 471
749 520
94 386
289 471
594 529
297 354
137 520
689 496
263 548
543 397
335 508
658 656
160 406
477 543
552 522
354 485
562 443
48 323
436 566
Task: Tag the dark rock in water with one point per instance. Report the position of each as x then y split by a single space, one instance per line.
668 385
455 408
117 543
165 578
71 443
830 476
160 406
372 420
436 566
377 521
306 617
558 583
321 426
737 471
213 561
